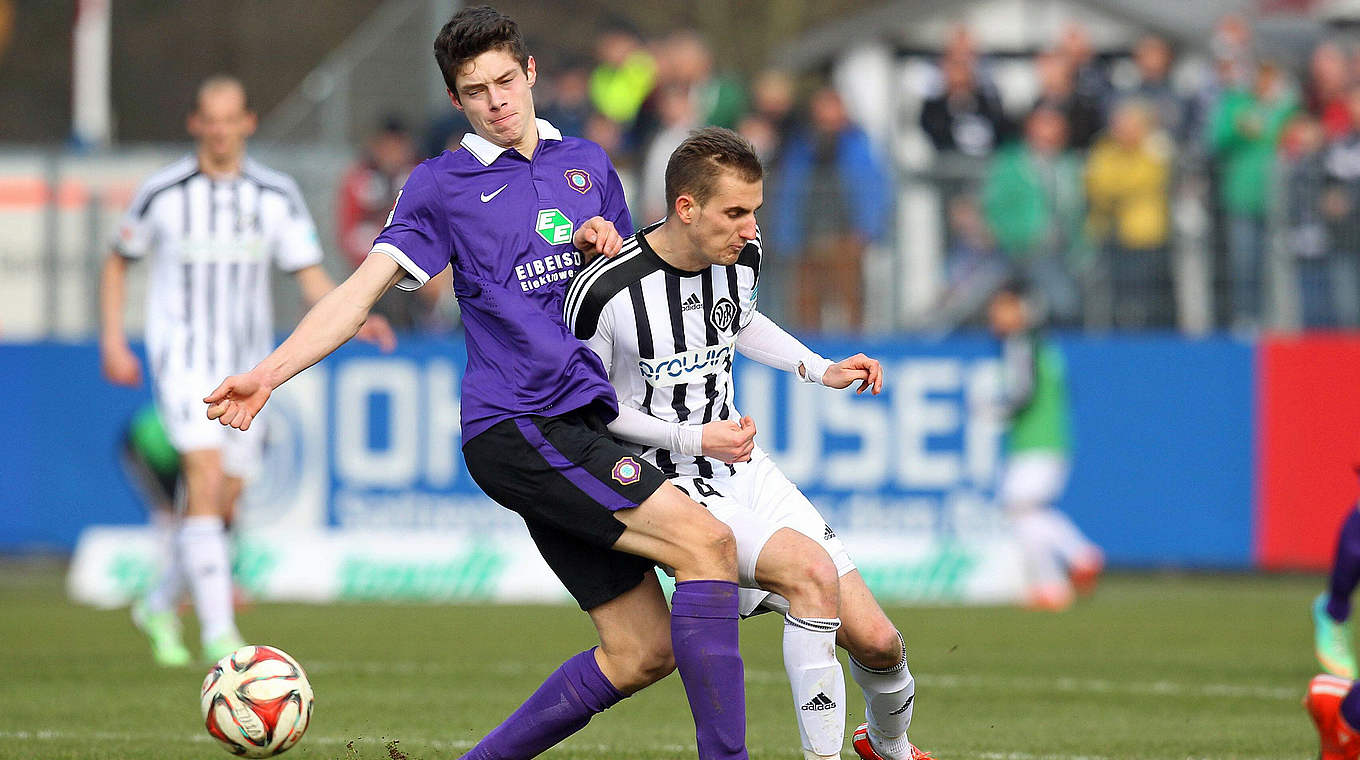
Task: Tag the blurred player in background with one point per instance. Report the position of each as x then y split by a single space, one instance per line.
1332 608
365 198
665 316
513 211
212 224
152 466
1334 705
1059 560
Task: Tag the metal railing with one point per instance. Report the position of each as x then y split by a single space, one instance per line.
386 65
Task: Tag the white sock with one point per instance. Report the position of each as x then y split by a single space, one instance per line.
203 549
1066 538
169 584
1037 545
818 684
889 701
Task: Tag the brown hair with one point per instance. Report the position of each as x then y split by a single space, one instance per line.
693 168
471 32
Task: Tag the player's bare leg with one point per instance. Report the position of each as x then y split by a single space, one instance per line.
203 547
635 637
674 530
798 569
878 663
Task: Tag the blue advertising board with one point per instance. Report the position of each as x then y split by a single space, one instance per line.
1162 463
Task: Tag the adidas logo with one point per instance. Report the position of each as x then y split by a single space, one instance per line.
819 702
904 706
829 534
692 303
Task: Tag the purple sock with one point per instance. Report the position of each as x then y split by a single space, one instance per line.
563 705
704 637
1350 707
1345 569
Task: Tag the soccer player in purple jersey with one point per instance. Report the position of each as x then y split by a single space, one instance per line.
512 212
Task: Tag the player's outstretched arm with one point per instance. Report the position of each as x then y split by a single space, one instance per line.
315 284
868 372
332 321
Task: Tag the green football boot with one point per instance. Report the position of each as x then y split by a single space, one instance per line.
1332 641
222 646
162 628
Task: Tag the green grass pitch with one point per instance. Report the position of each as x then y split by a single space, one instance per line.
1154 666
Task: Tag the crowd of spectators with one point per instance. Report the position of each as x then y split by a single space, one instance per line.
1071 182
1076 191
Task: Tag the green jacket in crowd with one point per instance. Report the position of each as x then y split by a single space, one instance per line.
1243 134
1036 207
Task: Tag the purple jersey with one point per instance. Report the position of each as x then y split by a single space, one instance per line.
505 223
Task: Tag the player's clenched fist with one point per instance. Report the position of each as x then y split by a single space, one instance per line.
730 441
597 237
237 400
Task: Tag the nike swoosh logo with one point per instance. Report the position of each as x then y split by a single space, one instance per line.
486 197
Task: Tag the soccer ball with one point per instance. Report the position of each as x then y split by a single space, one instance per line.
256 701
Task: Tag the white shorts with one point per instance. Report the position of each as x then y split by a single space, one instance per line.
755 502
1033 479
179 401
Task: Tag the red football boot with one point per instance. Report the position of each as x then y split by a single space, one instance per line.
866 750
1336 739
1085 572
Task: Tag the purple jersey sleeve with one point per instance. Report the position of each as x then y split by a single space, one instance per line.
615 204
417 232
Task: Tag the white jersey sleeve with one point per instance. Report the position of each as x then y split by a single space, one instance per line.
136 235
768 343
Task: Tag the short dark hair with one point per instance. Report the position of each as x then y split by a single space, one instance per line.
692 168
471 32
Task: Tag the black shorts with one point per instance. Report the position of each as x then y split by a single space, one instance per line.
566 476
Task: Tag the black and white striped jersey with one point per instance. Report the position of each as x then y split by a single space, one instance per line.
211 244
667 336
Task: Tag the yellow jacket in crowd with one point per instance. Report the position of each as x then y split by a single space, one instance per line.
1127 191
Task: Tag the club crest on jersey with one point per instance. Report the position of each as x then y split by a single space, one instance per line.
627 471
578 179
724 312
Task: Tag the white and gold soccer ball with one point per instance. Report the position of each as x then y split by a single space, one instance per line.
256 701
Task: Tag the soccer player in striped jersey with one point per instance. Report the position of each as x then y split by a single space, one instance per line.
213 224
665 316
513 211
